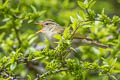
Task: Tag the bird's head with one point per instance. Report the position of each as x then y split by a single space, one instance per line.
47 25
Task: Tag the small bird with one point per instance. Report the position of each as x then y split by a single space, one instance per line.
51 28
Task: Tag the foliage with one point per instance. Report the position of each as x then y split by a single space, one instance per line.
20 58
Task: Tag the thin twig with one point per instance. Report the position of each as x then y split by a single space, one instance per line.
17 36
75 30
49 73
66 54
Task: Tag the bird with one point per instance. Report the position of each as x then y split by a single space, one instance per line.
51 28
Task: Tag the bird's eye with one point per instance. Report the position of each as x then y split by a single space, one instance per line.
46 23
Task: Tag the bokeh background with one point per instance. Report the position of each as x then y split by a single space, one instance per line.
61 10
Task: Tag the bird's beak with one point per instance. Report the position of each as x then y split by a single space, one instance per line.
40 24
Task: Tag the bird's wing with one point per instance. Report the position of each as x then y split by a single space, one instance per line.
78 36
60 31
75 36
83 38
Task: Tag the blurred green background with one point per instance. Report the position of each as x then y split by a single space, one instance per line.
61 10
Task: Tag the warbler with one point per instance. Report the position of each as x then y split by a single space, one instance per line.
51 28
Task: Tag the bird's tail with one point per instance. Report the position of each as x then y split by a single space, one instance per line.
93 43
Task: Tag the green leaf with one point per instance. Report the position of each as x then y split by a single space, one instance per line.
105 78
38 58
32 40
86 2
6 3
82 14
79 17
91 15
65 34
30 21
75 24
92 4
114 61
59 37
116 20
33 8
113 77
96 51
13 66
29 77
81 4
41 12
72 19
18 50
2 36
103 11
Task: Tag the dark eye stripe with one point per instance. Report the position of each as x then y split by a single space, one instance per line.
47 23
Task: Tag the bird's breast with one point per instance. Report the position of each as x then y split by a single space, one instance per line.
50 36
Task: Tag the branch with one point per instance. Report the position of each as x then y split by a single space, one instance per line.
6 75
49 73
75 30
17 36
